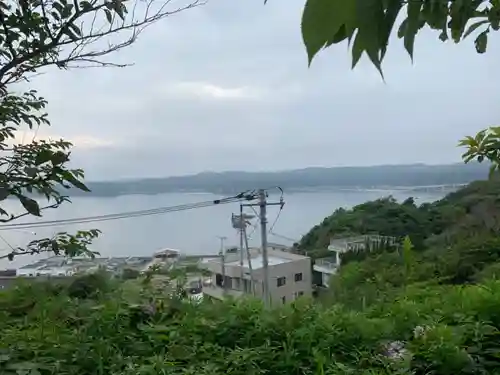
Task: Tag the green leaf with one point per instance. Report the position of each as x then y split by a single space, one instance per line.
4 193
443 36
435 13
85 5
392 12
43 156
75 29
481 42
321 20
474 27
338 37
59 158
30 205
75 182
109 17
357 49
412 27
119 8
402 28
370 20
30 171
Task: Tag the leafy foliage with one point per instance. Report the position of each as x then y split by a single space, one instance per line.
383 216
484 146
37 34
46 329
368 24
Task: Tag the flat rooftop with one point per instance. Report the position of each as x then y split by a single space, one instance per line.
258 262
275 257
82 263
49 262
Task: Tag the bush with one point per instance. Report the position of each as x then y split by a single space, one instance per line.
457 330
89 286
130 274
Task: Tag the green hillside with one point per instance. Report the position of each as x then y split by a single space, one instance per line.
469 212
456 241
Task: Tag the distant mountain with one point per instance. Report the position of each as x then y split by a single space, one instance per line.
299 179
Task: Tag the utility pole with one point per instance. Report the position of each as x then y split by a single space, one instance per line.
263 203
263 237
242 233
249 259
223 263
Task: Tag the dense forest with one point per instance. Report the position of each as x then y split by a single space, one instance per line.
430 310
299 179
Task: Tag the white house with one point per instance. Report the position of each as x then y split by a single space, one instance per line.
329 266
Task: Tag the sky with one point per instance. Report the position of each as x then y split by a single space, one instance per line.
226 86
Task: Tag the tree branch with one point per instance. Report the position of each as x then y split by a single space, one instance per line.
50 53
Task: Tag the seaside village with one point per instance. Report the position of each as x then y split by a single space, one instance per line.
232 272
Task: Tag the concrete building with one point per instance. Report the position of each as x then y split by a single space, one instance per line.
290 276
324 269
329 266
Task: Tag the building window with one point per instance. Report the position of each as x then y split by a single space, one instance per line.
218 279
281 281
298 277
298 294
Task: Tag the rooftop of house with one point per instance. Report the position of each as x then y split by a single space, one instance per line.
258 262
48 262
275 257
87 263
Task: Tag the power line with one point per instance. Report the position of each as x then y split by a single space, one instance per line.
275 220
6 242
125 215
254 228
282 203
284 237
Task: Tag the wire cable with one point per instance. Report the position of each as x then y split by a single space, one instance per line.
110 217
7 242
284 237
254 228
131 214
279 212
275 220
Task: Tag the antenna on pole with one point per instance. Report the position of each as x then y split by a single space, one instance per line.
240 222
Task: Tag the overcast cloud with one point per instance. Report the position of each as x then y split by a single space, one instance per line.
226 87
